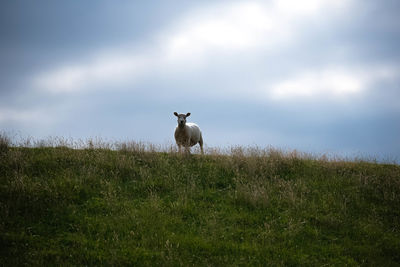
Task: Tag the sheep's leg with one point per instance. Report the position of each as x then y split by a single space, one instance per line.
201 144
179 149
187 149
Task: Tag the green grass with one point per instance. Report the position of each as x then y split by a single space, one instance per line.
62 206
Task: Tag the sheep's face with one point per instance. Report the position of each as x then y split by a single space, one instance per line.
181 118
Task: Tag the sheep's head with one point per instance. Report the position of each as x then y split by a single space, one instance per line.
181 118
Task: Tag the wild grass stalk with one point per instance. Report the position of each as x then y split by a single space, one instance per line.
99 202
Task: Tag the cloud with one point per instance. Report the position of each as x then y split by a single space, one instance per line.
103 68
310 84
201 34
331 82
309 7
243 26
239 27
23 116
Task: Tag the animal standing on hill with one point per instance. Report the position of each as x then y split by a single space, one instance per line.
187 134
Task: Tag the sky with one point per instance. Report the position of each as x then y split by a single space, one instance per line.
318 76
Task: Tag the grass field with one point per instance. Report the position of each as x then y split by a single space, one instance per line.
136 206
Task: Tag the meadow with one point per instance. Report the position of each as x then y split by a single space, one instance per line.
137 205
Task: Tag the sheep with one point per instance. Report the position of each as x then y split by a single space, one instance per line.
187 134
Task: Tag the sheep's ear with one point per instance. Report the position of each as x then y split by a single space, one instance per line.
176 114
188 114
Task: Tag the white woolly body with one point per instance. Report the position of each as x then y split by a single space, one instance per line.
189 135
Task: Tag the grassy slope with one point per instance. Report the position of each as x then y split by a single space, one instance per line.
97 206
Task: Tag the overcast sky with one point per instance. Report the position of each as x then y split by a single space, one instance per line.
320 76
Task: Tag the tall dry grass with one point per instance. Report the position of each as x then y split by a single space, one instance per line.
102 202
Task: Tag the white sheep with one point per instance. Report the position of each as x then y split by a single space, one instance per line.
187 134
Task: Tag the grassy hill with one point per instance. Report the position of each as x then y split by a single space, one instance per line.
62 206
